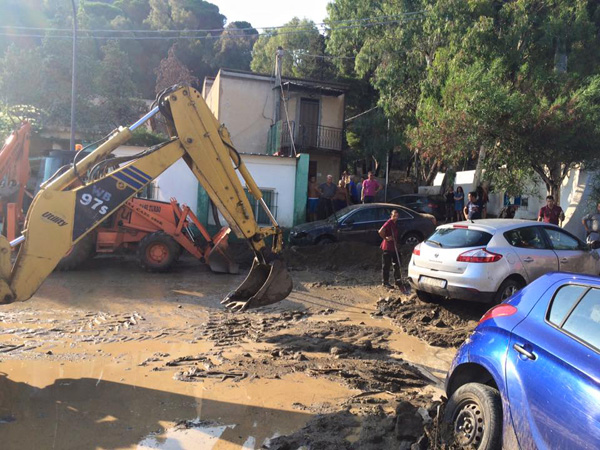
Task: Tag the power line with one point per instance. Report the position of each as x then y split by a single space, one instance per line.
195 37
220 30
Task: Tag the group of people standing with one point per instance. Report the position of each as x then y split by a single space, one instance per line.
475 208
326 198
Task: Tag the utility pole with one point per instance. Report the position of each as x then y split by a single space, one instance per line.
278 89
387 162
73 77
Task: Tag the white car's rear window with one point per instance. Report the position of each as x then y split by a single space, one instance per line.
459 237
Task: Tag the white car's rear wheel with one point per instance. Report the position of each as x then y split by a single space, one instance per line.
507 289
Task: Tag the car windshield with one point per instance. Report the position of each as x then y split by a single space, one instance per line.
340 214
459 237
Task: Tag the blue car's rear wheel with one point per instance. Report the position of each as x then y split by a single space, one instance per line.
474 416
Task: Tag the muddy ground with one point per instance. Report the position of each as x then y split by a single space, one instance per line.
112 357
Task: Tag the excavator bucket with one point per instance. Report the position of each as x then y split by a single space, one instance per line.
265 284
219 257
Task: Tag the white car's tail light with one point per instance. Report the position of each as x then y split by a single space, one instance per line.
479 255
417 250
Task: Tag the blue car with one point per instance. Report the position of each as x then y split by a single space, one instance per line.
529 375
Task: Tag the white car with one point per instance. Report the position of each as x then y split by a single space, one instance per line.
489 260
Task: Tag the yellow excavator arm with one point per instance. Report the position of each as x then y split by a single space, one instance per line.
68 207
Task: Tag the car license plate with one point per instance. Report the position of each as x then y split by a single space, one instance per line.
435 282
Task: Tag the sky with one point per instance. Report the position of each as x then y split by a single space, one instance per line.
269 13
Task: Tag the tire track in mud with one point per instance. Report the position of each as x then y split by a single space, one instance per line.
49 328
390 411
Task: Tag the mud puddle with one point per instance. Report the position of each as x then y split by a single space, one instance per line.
111 405
101 360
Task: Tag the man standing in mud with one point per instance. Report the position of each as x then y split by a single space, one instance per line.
389 234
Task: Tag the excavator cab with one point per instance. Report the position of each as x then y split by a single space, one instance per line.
76 200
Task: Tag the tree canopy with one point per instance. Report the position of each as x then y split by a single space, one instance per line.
449 80
304 51
518 78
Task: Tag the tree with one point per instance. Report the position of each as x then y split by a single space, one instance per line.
189 15
381 42
172 71
304 51
119 104
520 81
20 76
233 50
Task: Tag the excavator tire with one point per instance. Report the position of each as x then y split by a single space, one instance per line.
157 252
78 254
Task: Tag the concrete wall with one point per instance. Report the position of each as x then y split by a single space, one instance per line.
210 93
178 181
327 165
270 173
245 106
277 174
332 111
574 198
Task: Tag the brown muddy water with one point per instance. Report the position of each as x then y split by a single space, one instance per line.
110 357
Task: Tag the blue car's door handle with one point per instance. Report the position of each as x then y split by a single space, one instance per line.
524 352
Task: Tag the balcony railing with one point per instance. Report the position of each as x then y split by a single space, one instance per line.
306 137
317 136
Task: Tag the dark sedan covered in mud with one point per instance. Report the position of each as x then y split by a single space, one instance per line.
361 223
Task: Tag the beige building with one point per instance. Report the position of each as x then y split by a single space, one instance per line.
287 116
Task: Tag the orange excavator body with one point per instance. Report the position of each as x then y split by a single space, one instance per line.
139 218
14 174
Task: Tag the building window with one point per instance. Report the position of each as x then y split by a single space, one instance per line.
270 198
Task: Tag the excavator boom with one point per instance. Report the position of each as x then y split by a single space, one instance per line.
68 206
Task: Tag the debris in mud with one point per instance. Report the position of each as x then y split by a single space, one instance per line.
10 348
442 325
111 322
178 361
357 363
227 329
154 358
187 424
324 336
364 428
195 373
388 376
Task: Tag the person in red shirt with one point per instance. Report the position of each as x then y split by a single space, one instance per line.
551 213
389 234
370 188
